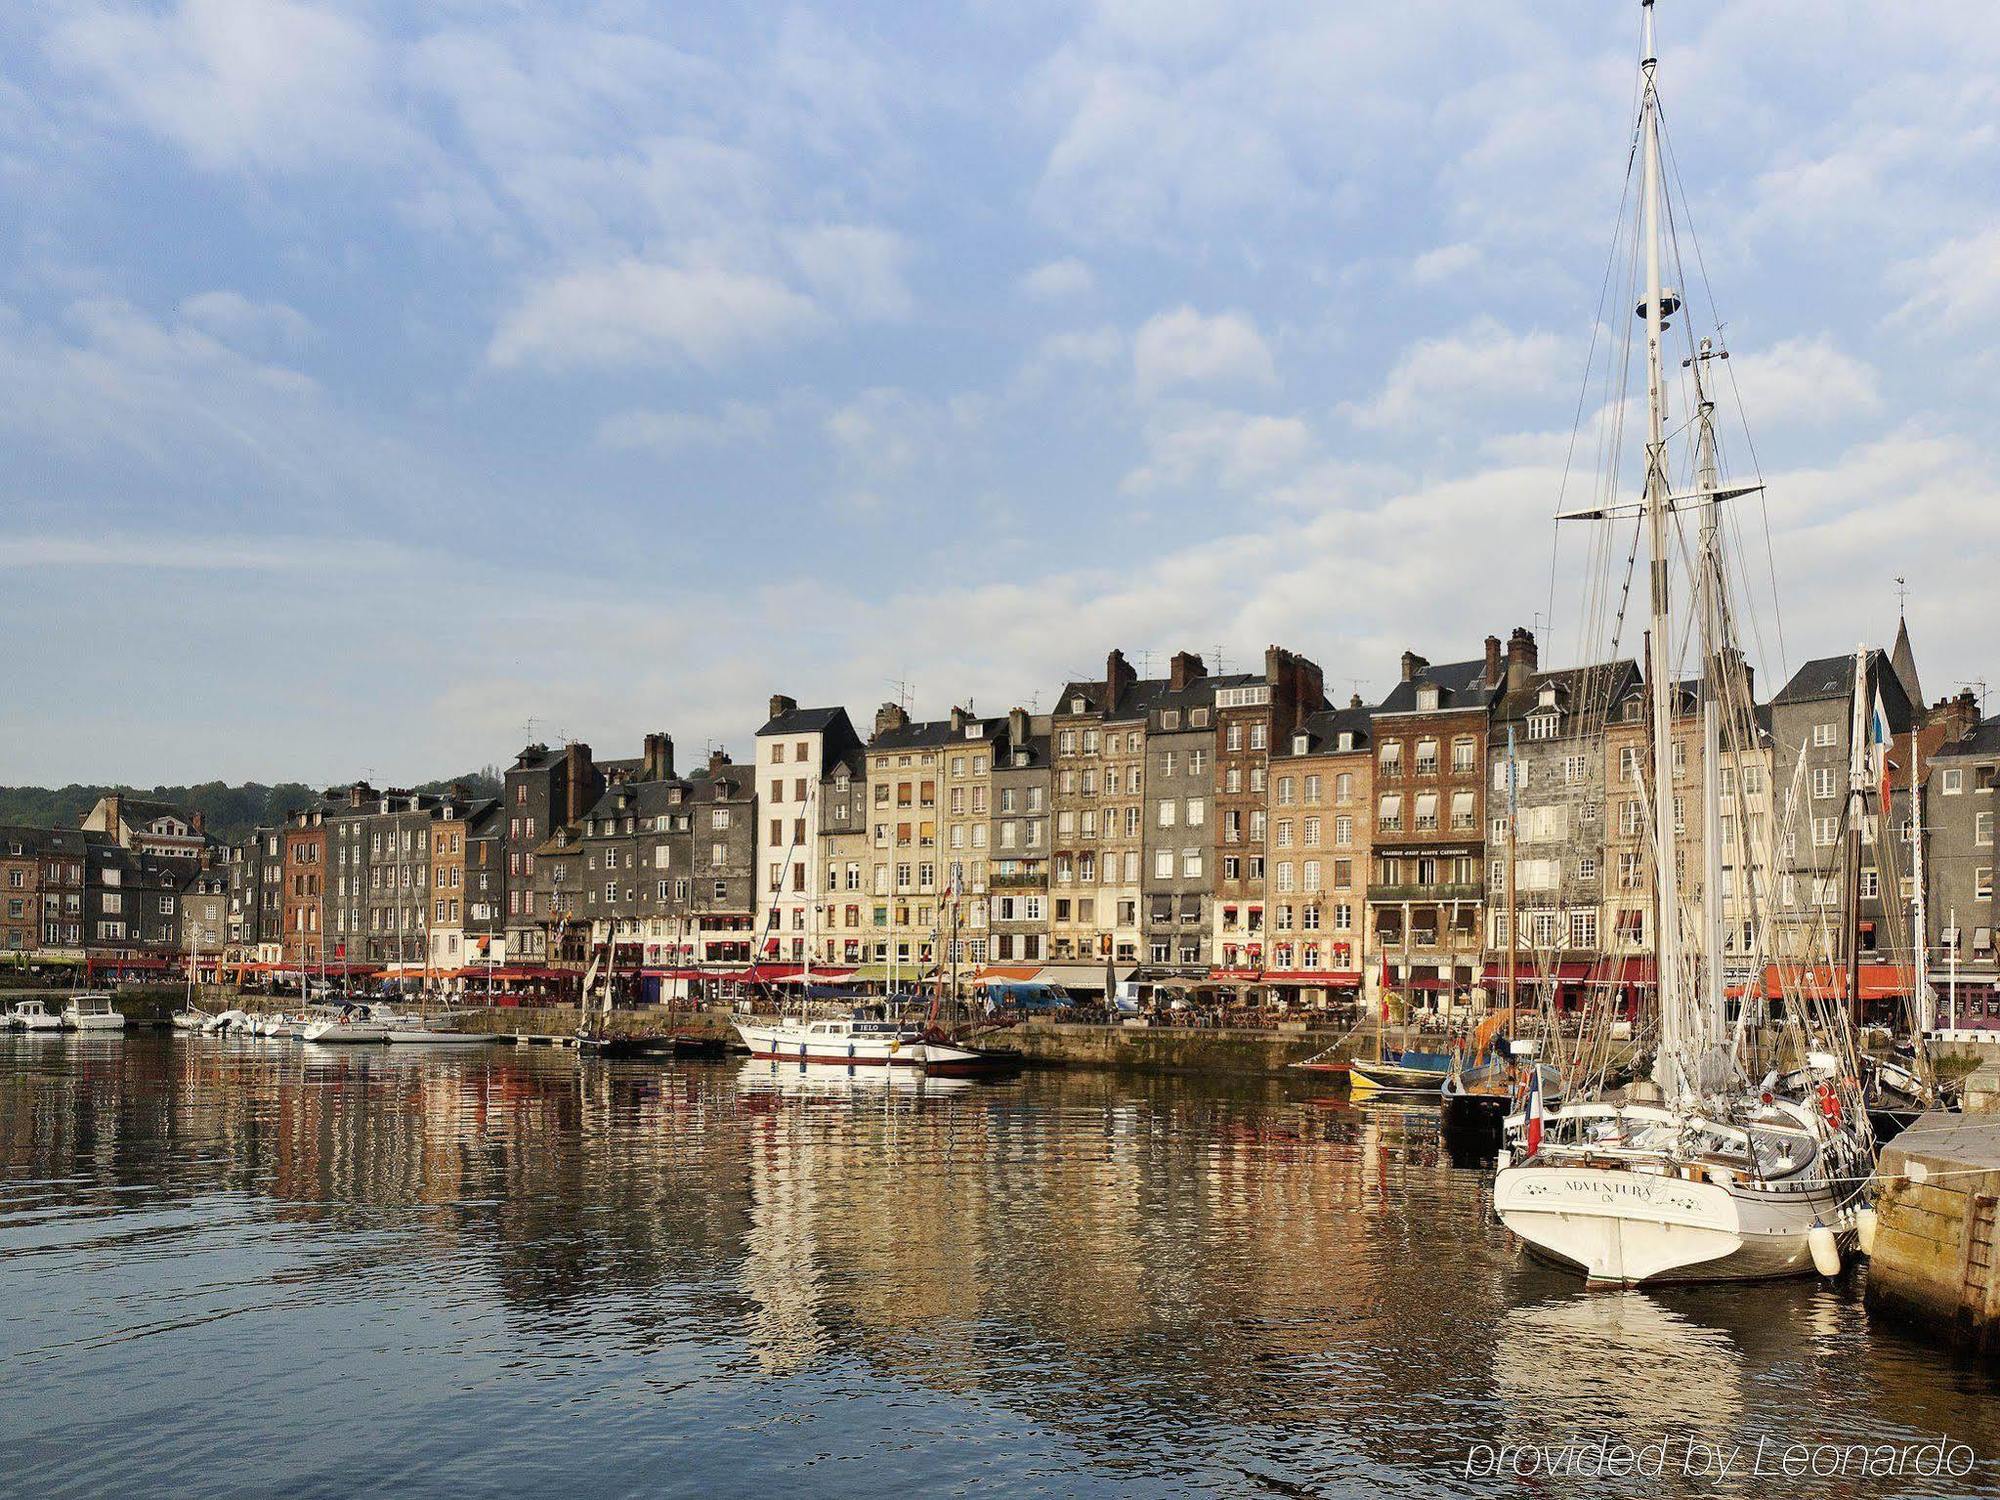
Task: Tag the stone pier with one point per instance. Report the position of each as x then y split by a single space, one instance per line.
1938 1201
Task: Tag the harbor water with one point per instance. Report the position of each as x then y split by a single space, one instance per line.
253 1267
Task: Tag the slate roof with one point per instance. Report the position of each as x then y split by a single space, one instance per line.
803 721
1461 684
1983 739
1323 731
1597 688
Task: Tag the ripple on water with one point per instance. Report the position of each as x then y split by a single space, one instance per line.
241 1269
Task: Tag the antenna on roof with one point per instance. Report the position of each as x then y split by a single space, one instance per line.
1902 595
532 722
905 692
1145 661
1221 666
1980 683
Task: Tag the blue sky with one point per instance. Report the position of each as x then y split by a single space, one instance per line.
375 377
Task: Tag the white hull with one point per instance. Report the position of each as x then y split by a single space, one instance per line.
189 1020
419 1035
76 1021
342 1033
1625 1228
42 1022
829 1042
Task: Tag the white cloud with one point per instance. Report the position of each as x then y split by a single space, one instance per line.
854 267
1956 288
1801 382
1235 449
1056 280
670 431
241 83
1101 345
1439 379
636 313
1444 263
255 327
1182 348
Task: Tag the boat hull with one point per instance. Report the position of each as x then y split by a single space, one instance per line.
35 1023
75 1022
1393 1078
349 1033
425 1037
1627 1228
790 1044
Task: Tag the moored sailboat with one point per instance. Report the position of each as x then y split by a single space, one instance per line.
1701 1174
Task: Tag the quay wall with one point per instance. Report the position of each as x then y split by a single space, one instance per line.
1937 1245
1176 1049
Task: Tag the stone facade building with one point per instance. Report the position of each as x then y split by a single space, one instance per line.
1321 827
1018 877
1962 806
796 750
542 791
1427 890
1178 854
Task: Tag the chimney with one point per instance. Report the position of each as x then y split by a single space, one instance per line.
1354 700
1413 664
1118 678
718 761
658 757
957 719
200 821
1185 668
780 705
576 781
1521 659
1493 661
890 716
1017 728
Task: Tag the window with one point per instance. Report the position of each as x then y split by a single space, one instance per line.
1822 735
1427 812
1390 816
1953 782
1543 726
1871 885
1391 757
1982 883
1628 762
1822 782
1825 831
1982 828
1462 814
1427 757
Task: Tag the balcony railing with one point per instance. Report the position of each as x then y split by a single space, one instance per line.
1469 890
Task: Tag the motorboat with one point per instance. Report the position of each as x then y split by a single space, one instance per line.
227 1023
92 1012
864 1041
32 1015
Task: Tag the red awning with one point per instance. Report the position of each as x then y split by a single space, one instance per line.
1878 982
1528 971
1336 978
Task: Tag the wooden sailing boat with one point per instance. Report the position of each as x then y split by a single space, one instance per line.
1704 1175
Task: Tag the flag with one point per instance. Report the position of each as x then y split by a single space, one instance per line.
1879 739
1533 1111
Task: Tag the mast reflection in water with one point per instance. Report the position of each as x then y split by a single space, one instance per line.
236 1267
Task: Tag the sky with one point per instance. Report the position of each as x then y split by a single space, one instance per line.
379 380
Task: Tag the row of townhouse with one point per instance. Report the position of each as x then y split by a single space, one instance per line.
1485 819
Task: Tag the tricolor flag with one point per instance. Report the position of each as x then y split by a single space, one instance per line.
1879 738
1533 1111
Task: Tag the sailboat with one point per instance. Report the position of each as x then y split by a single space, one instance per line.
1701 1175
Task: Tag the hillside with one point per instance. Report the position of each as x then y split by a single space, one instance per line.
229 811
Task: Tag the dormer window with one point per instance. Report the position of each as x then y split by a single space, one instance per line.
1346 739
1076 705
1427 696
1300 744
1548 695
1543 726
1020 757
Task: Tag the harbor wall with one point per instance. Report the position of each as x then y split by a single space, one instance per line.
1176 1049
1935 1263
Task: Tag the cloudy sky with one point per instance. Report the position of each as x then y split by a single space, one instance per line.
376 377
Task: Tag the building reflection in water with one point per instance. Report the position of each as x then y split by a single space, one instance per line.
1174 1277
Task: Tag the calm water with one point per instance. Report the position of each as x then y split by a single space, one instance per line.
246 1267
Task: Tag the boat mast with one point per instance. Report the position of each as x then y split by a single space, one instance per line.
1711 683
1671 1071
1857 810
1926 1005
1513 911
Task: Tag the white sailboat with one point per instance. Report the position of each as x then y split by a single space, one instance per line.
1703 1175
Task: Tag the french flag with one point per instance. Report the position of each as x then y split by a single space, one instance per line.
1880 738
1533 1110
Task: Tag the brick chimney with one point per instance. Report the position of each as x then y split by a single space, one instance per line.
718 761
658 757
1522 657
958 719
1017 728
1413 664
200 821
577 789
1959 715
780 704
1493 661
1118 678
1185 668
890 716
1354 700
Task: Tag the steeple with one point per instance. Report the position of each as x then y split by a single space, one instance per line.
1904 660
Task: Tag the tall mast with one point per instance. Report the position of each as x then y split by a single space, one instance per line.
1926 1006
1711 681
1674 1011
1857 810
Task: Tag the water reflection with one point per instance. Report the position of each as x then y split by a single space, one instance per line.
513 1263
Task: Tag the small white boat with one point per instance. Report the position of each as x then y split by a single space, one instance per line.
278 1026
226 1023
92 1012
190 1019
32 1015
859 1041
348 1028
